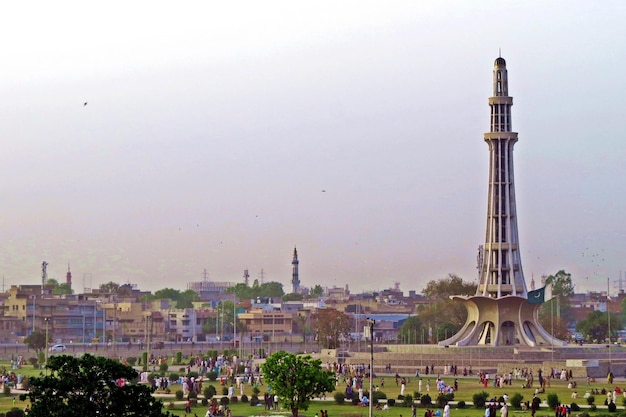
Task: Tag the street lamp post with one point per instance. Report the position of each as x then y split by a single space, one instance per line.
371 323
47 321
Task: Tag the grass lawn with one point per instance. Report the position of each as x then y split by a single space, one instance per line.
467 388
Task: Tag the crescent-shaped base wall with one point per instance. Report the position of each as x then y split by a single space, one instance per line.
504 321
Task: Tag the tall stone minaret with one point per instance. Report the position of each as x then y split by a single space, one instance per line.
500 313
501 270
295 281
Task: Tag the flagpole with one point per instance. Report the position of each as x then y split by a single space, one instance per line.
608 312
552 324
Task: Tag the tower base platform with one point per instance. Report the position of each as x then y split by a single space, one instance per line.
504 321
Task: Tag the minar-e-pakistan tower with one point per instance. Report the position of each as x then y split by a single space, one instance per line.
500 313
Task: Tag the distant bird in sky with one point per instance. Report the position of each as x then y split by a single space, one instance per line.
84 104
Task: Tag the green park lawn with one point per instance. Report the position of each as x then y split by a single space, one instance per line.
467 388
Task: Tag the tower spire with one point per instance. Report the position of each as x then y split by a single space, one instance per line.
295 280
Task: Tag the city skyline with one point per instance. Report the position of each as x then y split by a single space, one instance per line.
145 143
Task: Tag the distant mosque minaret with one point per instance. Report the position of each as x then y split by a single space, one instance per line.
295 281
68 276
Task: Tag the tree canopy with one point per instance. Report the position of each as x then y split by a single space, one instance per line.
36 341
297 379
596 326
559 305
443 317
267 289
58 288
182 299
332 326
451 285
90 386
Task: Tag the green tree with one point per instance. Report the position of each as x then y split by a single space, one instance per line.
562 290
267 289
57 288
444 315
110 287
412 330
87 386
297 379
332 326
451 285
293 297
36 341
180 299
595 327
316 291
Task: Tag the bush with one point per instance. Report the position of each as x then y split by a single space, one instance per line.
234 399
255 390
244 398
209 392
593 407
178 395
400 397
224 401
612 407
178 359
163 367
444 398
192 395
574 407
212 375
553 401
33 361
479 399
425 400
408 400
591 399
391 402
6 390
15 412
224 390
460 404
340 398
131 360
173 377
204 402
254 400
516 400
379 395
144 360
193 374
356 401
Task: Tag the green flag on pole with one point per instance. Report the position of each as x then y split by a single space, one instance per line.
537 296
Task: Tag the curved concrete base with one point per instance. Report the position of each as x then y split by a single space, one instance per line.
504 321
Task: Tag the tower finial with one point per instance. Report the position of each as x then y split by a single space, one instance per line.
499 52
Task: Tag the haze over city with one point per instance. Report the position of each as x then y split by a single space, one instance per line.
145 142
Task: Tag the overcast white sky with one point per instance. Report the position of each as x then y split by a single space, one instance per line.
220 135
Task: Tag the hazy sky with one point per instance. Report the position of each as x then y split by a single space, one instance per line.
220 135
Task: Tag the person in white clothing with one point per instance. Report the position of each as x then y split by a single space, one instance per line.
446 410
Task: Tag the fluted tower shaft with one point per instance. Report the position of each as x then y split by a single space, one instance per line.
501 268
